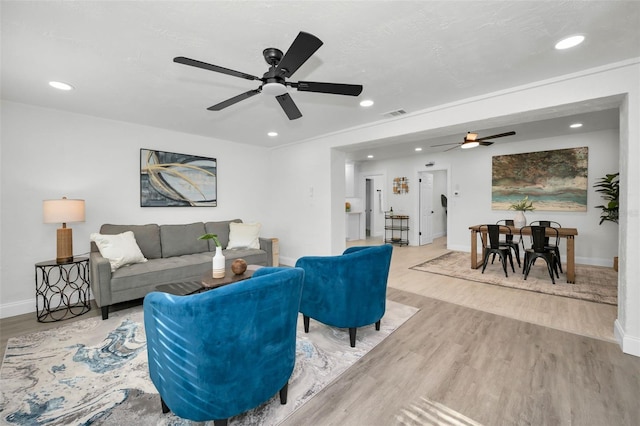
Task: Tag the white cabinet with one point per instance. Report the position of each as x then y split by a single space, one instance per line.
353 225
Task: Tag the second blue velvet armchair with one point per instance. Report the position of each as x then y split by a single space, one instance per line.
346 291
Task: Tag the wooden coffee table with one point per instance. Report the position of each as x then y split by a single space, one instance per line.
206 283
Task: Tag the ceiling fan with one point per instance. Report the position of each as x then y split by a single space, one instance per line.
471 140
281 67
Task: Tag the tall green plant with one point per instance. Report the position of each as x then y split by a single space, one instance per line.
609 188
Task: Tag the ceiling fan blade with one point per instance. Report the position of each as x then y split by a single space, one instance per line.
289 107
301 49
234 100
500 135
210 67
453 147
485 143
445 144
332 88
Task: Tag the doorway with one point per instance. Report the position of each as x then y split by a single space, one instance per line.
368 207
372 186
432 211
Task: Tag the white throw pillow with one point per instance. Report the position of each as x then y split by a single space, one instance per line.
244 235
120 249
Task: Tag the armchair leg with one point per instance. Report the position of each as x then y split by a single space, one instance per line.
352 336
221 422
283 393
305 319
105 312
378 325
165 408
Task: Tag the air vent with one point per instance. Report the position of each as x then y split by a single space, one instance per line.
394 113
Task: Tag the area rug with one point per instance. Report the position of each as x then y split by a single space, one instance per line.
593 283
95 372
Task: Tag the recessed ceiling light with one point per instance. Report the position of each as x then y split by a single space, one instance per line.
366 103
418 149
369 156
569 42
272 134
575 125
60 85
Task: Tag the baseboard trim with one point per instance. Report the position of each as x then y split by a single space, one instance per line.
629 344
18 308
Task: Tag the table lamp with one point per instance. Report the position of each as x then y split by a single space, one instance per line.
63 211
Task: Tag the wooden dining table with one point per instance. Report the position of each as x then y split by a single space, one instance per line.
568 233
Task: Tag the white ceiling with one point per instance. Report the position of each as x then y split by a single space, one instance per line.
408 55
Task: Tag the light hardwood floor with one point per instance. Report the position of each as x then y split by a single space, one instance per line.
498 356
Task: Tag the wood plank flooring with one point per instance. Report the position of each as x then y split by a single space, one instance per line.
498 356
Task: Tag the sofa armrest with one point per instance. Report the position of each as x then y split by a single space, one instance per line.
272 247
100 278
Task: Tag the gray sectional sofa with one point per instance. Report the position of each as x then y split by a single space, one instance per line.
174 254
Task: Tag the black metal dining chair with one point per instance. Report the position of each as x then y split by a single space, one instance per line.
548 242
538 250
508 241
490 235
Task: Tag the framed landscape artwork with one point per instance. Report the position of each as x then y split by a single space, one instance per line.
553 180
168 179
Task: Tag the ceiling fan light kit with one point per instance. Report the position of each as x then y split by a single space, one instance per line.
275 89
469 144
471 140
281 67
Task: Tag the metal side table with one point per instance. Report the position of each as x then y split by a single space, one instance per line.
62 289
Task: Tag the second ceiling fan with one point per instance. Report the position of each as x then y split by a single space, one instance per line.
471 140
281 67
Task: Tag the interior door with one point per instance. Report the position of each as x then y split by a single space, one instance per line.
426 208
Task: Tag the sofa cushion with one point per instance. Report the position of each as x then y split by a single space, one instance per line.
178 240
120 249
244 235
221 229
147 237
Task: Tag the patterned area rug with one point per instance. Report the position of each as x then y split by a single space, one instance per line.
593 283
95 372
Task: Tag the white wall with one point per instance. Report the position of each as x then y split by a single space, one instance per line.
471 176
50 154
302 202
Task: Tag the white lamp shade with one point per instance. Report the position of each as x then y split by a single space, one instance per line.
63 211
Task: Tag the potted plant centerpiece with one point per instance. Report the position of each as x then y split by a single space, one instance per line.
218 261
520 207
609 187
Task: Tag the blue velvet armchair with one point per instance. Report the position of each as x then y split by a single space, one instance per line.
219 353
346 291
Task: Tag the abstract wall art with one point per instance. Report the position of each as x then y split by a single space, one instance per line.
553 180
168 179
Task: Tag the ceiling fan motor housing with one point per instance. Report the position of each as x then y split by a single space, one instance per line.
272 55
